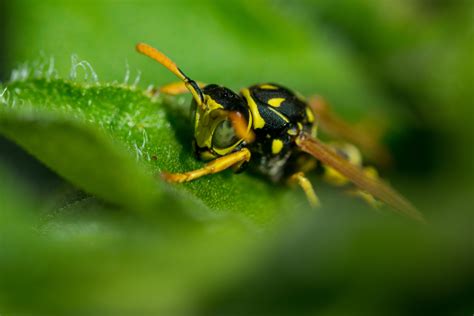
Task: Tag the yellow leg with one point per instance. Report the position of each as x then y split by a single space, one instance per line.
212 167
368 198
176 88
352 155
307 187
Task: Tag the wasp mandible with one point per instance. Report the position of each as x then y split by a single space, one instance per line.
273 131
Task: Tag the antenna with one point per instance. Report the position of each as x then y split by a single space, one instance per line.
158 56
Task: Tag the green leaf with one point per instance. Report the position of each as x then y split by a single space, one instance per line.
83 156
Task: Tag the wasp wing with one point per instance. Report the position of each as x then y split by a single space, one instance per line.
336 127
377 188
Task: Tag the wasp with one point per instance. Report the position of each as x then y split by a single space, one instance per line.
273 131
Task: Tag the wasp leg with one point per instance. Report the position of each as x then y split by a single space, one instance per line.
307 187
372 173
234 159
177 88
353 156
365 138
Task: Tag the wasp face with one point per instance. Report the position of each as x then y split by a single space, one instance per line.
214 133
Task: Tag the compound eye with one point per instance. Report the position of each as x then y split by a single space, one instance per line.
224 135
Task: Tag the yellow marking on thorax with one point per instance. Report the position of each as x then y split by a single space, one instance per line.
293 131
268 87
276 102
277 146
258 121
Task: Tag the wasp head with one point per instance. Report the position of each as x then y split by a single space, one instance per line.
220 122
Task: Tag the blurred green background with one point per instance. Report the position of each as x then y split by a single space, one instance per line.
406 65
